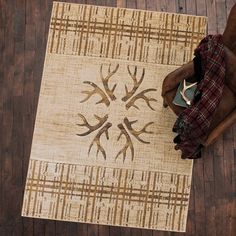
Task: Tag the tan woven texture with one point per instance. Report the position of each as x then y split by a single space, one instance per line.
102 148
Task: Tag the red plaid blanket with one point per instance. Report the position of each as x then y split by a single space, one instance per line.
193 123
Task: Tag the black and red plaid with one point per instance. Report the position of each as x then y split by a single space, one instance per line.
193 123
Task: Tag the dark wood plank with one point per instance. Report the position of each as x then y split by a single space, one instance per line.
221 15
161 5
171 6
125 231
116 231
229 183
141 4
233 164
191 227
2 49
151 5
191 7
199 191
82 229
209 192
103 230
131 4
7 126
50 228
201 8
219 186
23 35
121 3
111 3
212 17
64 228
146 232
6 231
136 232
181 6
39 227
92 230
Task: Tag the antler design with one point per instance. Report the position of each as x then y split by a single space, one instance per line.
98 91
141 95
127 145
136 133
96 140
105 80
92 128
137 83
107 95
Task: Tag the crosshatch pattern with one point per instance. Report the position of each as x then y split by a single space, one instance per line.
134 35
106 195
89 46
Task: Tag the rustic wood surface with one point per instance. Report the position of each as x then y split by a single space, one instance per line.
23 35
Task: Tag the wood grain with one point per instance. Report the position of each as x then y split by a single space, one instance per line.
23 34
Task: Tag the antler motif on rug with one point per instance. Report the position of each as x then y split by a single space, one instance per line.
126 126
128 144
136 133
92 128
105 80
96 140
137 83
141 95
96 90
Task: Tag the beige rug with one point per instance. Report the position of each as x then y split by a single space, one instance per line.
102 148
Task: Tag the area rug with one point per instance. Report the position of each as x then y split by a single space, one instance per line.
102 149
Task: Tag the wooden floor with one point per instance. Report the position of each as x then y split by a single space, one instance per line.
23 34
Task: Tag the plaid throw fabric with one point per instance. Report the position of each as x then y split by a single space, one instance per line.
193 123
